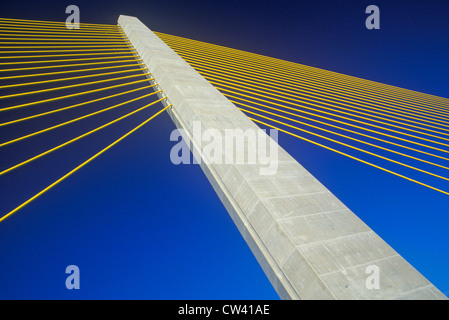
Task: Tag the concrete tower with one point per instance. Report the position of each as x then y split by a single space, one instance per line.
310 245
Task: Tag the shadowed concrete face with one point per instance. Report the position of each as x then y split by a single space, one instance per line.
310 245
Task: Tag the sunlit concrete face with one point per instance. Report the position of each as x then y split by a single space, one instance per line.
310 245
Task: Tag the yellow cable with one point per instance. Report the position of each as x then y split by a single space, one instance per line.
11 33
350 138
62 28
334 120
115 43
69 79
65 55
65 60
76 119
75 105
334 126
240 62
349 146
58 30
76 94
295 66
25 30
81 165
56 47
68 65
200 67
351 157
67 87
221 68
121 50
40 22
336 115
69 71
302 95
76 139
222 49
70 39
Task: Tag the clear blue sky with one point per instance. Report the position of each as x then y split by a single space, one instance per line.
139 227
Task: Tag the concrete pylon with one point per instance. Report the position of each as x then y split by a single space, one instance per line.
310 245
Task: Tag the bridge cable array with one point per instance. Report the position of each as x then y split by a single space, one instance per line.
353 117
96 69
50 74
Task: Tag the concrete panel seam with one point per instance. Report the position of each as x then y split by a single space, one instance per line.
333 239
311 214
360 264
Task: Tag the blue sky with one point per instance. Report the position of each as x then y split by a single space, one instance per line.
139 227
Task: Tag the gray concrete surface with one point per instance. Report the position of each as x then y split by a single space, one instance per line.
309 244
